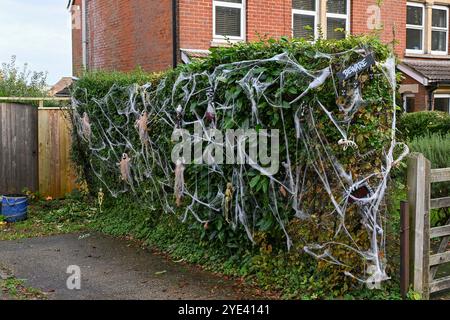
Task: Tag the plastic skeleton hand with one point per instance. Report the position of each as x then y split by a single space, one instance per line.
86 127
125 169
141 126
347 144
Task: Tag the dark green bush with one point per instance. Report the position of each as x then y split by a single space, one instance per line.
98 83
417 124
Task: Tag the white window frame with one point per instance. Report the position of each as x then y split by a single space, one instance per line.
441 30
242 6
442 96
416 27
341 16
315 14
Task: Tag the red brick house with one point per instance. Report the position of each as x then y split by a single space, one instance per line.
158 34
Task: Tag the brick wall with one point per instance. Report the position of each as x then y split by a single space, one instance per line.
421 98
77 45
273 18
195 24
393 19
264 18
268 18
127 34
124 34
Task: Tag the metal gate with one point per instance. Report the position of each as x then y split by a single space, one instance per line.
18 148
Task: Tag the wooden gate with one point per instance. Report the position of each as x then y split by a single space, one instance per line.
424 263
18 148
56 173
34 149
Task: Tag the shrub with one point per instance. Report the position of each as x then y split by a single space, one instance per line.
21 83
113 106
435 147
97 84
417 124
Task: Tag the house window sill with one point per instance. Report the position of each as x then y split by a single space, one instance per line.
427 56
224 43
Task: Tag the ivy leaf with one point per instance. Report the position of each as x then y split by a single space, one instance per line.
254 181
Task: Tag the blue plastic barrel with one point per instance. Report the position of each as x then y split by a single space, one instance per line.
14 207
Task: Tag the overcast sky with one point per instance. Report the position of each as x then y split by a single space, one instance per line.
37 32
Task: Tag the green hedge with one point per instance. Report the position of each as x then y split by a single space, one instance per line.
418 124
370 128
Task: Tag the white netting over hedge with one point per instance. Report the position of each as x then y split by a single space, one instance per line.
130 151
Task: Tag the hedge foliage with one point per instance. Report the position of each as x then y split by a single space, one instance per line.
370 128
424 123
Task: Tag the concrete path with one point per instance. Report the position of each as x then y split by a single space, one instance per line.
110 269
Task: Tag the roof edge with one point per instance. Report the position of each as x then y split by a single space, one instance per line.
419 77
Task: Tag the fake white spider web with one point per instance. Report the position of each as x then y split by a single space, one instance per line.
131 154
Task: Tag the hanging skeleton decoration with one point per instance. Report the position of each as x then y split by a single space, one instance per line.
100 198
179 117
179 182
141 126
125 169
228 201
86 127
210 114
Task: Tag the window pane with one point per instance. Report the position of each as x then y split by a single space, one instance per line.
233 1
439 41
308 5
336 28
413 39
442 104
228 21
337 6
414 16
410 103
303 26
439 18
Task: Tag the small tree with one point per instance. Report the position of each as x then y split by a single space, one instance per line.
21 83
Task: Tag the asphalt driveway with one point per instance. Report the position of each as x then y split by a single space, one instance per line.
109 268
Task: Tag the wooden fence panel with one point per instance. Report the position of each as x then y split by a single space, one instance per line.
56 173
18 148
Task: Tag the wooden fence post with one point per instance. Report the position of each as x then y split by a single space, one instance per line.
404 249
419 172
